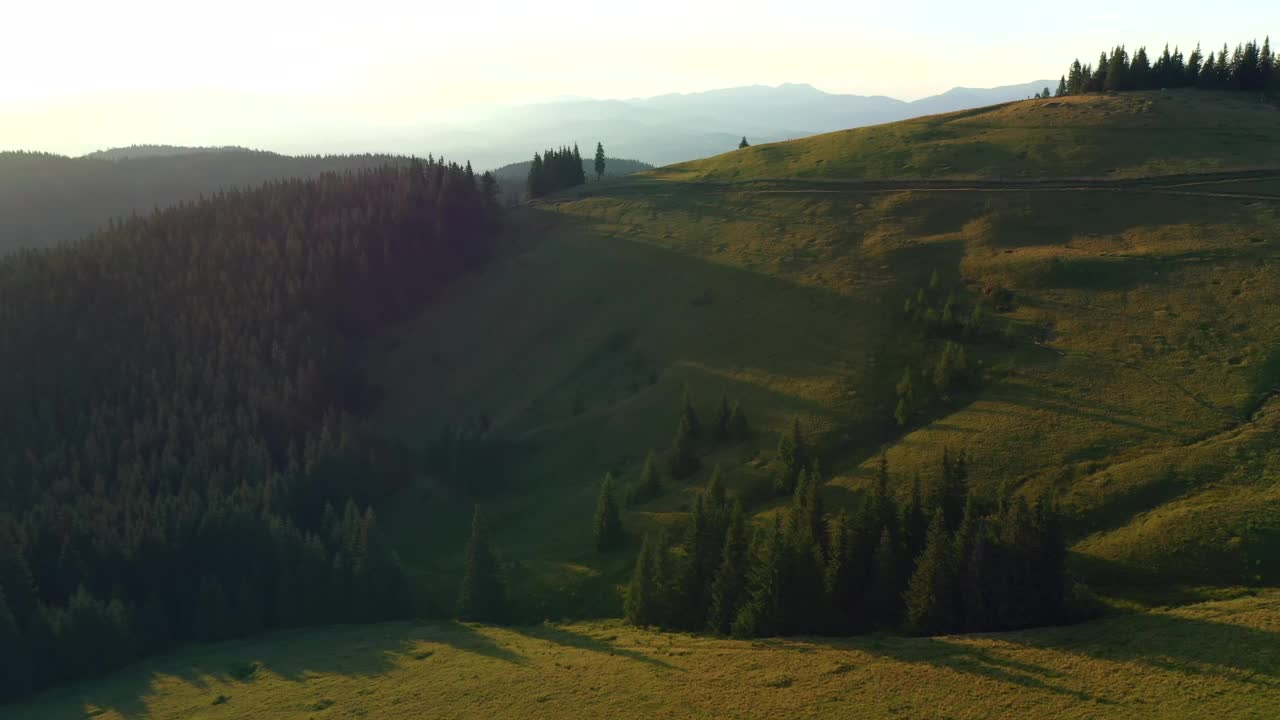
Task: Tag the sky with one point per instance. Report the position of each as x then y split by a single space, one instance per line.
80 75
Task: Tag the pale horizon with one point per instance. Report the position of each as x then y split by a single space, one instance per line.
85 77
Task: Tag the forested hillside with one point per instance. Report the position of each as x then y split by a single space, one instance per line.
47 199
179 459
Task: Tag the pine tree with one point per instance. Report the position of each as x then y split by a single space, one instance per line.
689 415
906 398
648 486
683 460
642 605
884 596
929 594
482 596
720 423
915 522
1062 86
792 456
729 586
600 160
759 616
607 526
744 143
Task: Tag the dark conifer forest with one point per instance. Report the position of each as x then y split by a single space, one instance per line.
179 460
1249 67
555 170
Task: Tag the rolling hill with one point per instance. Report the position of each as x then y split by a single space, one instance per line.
1122 252
47 199
1135 232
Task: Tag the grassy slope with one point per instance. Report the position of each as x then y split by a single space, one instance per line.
1145 410
1126 135
1216 659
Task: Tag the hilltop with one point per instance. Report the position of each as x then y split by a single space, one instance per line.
47 199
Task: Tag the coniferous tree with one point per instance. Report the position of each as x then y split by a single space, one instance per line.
906 398
683 460
928 601
642 602
729 587
760 616
482 596
744 143
600 160
690 416
915 522
1062 86
792 457
213 611
648 486
607 526
720 422
884 596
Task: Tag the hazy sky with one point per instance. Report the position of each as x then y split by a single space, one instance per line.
77 75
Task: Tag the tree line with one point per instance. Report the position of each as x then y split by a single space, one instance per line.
179 459
947 560
1249 67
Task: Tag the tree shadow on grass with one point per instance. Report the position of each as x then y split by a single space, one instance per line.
295 656
1173 642
592 643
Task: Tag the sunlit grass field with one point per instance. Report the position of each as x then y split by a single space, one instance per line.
1216 659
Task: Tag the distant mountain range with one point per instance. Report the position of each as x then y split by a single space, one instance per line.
678 127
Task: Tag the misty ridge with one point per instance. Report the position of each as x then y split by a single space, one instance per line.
46 199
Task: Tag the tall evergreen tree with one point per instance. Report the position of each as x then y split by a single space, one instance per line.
744 143
683 459
720 422
600 160
689 415
607 526
482 596
929 594
648 486
792 457
884 596
642 602
729 586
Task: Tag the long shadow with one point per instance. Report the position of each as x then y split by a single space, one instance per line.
1178 643
296 656
580 641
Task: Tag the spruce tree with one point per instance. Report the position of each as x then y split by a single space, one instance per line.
1062 86
729 587
648 486
606 526
792 458
482 596
600 160
928 598
906 398
689 415
213 611
915 522
641 607
884 596
744 143
720 423
683 460
760 615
